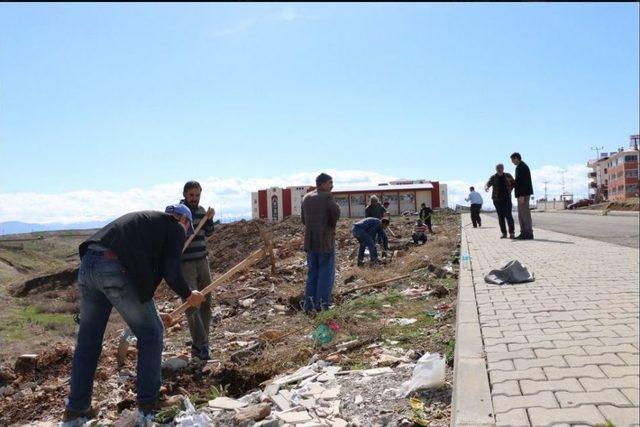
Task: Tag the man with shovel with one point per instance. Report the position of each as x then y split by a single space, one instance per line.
195 267
122 265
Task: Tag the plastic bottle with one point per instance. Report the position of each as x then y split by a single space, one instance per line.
465 260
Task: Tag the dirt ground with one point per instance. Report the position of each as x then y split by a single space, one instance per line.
260 330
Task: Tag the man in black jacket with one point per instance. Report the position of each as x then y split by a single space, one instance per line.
502 184
523 191
122 265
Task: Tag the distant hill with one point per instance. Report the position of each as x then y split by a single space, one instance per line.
17 227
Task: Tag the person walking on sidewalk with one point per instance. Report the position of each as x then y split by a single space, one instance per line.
425 216
320 214
523 191
501 184
121 266
366 231
476 204
195 267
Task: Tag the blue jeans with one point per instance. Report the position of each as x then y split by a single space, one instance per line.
103 285
366 241
321 273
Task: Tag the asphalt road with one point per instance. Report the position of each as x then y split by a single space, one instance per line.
621 230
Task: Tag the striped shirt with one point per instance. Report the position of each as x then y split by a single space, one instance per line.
197 249
420 229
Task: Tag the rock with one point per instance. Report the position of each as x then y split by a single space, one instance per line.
439 291
28 386
7 391
281 402
377 371
26 363
226 403
358 400
246 303
6 375
175 363
252 413
338 422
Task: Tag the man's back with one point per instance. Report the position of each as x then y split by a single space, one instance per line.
320 214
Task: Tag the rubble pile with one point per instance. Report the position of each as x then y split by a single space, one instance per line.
268 367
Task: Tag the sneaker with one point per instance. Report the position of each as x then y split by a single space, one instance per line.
70 415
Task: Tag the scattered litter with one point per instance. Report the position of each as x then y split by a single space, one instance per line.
419 416
512 272
428 372
402 321
325 332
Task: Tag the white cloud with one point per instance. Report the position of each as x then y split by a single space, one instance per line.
231 197
285 14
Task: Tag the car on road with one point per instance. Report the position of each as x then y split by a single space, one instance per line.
580 204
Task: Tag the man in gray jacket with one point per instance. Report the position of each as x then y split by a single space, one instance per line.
320 214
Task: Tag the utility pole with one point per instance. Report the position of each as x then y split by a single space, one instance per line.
597 150
545 191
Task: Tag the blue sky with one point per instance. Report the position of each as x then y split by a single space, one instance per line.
122 101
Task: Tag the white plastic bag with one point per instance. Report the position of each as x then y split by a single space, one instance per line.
428 373
191 418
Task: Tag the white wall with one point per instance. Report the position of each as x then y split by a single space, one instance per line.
255 212
424 196
277 206
444 197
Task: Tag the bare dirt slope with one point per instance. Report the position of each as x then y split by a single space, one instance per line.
260 330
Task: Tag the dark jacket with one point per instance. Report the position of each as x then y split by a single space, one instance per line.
425 214
320 214
501 186
376 211
197 249
373 227
523 187
149 245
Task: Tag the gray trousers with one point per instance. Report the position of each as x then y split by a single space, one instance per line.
524 217
198 276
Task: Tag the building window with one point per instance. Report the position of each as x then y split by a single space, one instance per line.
274 208
630 158
631 173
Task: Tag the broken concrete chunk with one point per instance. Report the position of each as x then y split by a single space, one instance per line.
338 422
272 389
308 403
227 403
281 402
252 413
358 400
313 389
376 371
300 374
329 394
296 417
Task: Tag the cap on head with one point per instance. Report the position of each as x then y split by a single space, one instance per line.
374 199
180 210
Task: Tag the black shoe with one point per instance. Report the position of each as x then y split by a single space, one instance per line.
360 263
163 402
71 415
504 236
528 237
512 236
520 237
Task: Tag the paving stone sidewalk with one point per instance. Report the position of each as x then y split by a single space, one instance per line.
563 350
